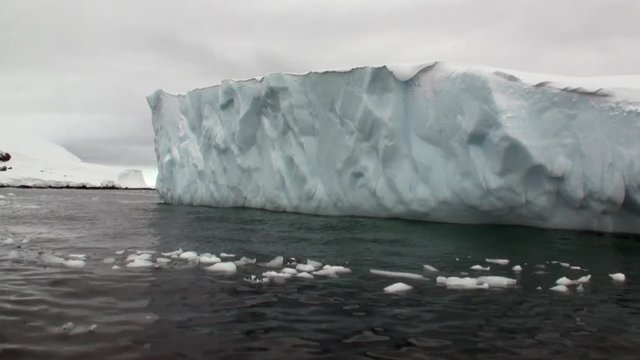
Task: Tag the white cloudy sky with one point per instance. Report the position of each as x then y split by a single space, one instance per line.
77 72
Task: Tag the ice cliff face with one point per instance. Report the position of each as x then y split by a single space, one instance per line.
445 143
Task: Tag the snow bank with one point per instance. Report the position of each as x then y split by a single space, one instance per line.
437 142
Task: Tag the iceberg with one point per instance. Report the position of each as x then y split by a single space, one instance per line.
435 142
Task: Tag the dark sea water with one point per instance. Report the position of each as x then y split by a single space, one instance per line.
184 312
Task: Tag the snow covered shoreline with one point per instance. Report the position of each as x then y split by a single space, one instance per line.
435 142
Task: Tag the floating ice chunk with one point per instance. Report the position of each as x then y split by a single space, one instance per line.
539 288
497 281
2 196
560 288
430 268
566 281
162 260
396 274
252 279
305 267
245 261
209 259
580 288
340 270
73 263
466 283
109 260
188 255
11 194
172 253
326 272
304 275
441 280
584 279
115 267
273 274
289 271
540 266
78 256
225 255
140 262
564 264
517 268
618 277
13 254
119 252
575 268
498 261
275 262
8 241
315 264
49 259
25 241
480 268
226 267
139 252
68 326
397 288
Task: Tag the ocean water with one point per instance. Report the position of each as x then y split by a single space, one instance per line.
185 312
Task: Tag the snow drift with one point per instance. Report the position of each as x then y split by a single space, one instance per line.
437 142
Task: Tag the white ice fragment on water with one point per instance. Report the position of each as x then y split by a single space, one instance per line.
8 241
498 261
340 270
225 255
49 259
466 283
275 262
430 268
580 288
172 253
13 254
139 252
575 268
209 259
25 241
140 263
226 267
618 277
316 264
273 274
68 326
396 274
497 281
480 268
564 264
560 288
109 260
11 194
326 272
74 263
305 267
584 279
119 252
188 255
115 267
163 260
289 271
245 261
78 256
304 275
566 281
517 268
539 288
397 288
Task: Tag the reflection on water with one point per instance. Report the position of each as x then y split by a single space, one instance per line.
185 312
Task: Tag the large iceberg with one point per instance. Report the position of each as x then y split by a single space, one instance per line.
437 142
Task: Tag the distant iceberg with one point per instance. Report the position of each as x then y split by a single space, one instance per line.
436 142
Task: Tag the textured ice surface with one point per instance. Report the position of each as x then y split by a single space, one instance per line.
397 288
439 142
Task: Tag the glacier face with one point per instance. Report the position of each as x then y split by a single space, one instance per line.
444 144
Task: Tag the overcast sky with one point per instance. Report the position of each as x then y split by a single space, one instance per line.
77 72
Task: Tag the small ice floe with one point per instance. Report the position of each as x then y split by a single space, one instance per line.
8 241
134 257
172 253
188 255
539 288
140 262
252 279
305 267
540 266
430 268
560 288
575 268
397 288
290 271
332 271
227 267
225 255
245 261
78 256
480 268
566 281
517 268
25 241
74 263
618 277
580 288
140 252
497 281
11 194
276 262
1 196
565 265
396 274
49 259
109 260
304 275
272 275
163 261
115 267
583 279
119 252
457 259
498 261
13 254
68 326
316 264
457 283
209 259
